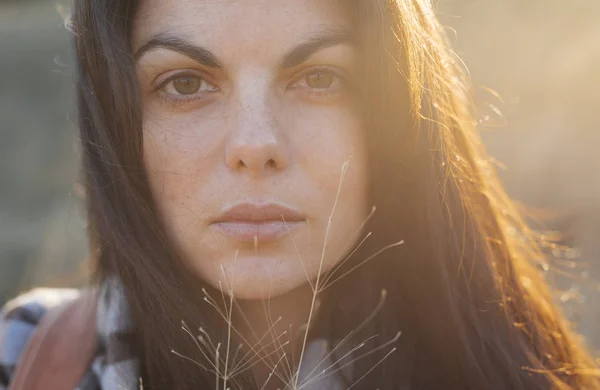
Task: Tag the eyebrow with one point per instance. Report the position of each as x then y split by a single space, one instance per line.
170 42
296 56
303 51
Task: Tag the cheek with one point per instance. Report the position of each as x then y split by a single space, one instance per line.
179 159
177 143
326 143
331 150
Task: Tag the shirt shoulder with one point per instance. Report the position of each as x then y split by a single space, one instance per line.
18 321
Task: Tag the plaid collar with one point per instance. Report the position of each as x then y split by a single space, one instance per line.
113 367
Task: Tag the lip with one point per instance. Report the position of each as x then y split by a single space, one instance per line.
266 222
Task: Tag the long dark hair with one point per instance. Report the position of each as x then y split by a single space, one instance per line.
463 289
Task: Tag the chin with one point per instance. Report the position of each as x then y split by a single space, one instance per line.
245 292
256 277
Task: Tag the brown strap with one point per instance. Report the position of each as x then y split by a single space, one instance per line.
61 348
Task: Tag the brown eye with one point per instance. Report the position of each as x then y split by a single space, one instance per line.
187 85
320 79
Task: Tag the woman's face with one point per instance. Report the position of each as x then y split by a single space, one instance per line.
249 121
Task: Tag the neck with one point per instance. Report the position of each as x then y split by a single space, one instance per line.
275 330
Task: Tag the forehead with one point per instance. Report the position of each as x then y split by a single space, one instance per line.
253 27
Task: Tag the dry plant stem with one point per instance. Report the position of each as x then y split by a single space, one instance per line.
310 378
186 329
338 266
208 345
205 339
372 351
269 317
315 291
257 354
313 378
288 366
401 242
217 364
230 290
297 252
258 351
214 305
272 372
372 368
192 360
244 366
360 326
368 353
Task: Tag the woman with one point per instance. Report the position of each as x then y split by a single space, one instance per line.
292 194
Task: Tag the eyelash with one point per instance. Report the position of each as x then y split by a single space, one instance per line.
175 99
322 95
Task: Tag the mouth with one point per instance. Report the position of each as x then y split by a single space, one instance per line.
262 223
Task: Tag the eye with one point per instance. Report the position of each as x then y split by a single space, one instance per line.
186 84
320 79
321 85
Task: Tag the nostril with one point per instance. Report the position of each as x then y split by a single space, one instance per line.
241 164
260 157
271 164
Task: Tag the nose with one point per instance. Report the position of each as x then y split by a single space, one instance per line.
255 144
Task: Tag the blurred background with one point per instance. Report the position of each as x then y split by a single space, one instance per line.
535 69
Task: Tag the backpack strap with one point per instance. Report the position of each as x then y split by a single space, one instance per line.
61 349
